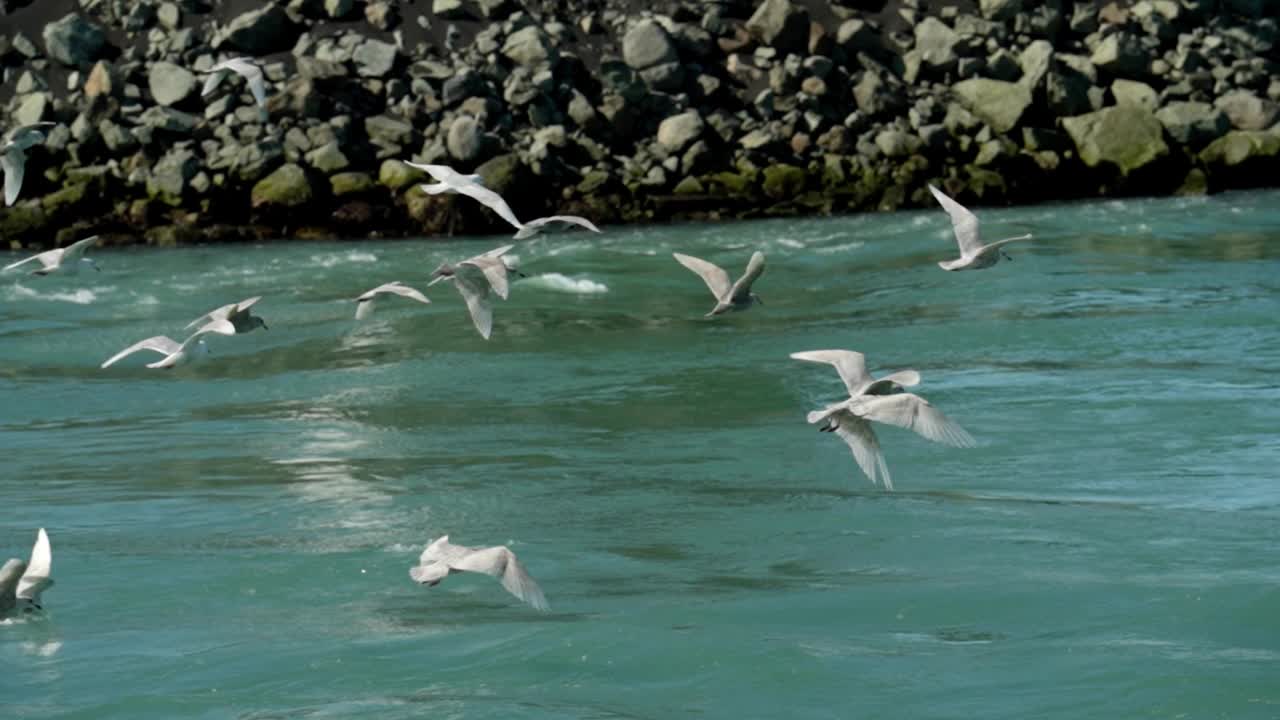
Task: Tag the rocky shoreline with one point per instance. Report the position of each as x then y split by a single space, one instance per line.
618 111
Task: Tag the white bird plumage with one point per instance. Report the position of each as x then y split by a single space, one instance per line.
246 69
365 303
22 582
60 261
533 227
474 277
230 319
441 558
973 254
13 156
729 296
175 353
450 180
880 400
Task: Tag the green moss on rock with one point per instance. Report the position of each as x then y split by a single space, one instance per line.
783 181
396 176
351 183
287 187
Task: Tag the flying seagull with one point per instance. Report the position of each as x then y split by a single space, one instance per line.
735 296
245 68
174 353
474 277
22 582
450 180
13 156
442 558
880 400
365 303
231 319
61 261
973 254
533 227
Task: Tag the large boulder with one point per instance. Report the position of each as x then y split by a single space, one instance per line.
1125 136
170 84
647 44
679 131
261 32
528 46
1242 146
465 139
169 178
999 104
1120 54
374 58
1193 123
781 24
287 187
1248 111
936 43
74 41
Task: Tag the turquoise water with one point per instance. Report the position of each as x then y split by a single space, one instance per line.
232 538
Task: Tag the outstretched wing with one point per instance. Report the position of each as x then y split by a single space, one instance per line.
13 162
865 446
714 276
37 575
476 296
532 227
10 574
47 259
396 288
491 200
159 343
73 252
215 77
963 222
494 270
914 413
755 267
852 366
221 313
502 564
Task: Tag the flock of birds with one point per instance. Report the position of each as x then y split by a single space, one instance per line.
871 400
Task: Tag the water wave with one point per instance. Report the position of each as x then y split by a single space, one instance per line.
328 260
83 296
566 284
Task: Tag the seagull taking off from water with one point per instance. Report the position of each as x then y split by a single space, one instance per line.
174 353
13 156
449 180
365 303
878 400
62 261
973 254
533 227
735 296
442 558
474 277
245 68
22 582
232 319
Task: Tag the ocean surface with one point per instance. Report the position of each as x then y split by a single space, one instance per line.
232 538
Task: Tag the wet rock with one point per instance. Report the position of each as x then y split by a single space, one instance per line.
351 183
74 41
287 187
1239 147
999 104
781 24
170 84
167 182
1125 137
396 176
1193 123
783 182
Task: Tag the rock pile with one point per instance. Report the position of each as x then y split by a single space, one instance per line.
619 111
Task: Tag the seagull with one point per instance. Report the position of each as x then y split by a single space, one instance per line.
230 319
13 156
441 558
61 261
737 296
365 303
175 353
533 227
878 400
474 277
973 254
22 582
450 180
245 68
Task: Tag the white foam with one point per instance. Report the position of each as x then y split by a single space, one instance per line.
840 248
329 260
565 284
83 296
788 242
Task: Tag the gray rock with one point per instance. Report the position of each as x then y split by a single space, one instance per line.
328 158
856 35
999 104
679 131
169 15
170 84
73 41
1035 62
461 86
895 143
528 46
1000 9
1248 111
781 24
449 9
1133 92
465 139
1193 123
388 131
374 58
33 108
1120 54
287 187
496 9
668 77
381 14
874 96
117 139
646 44
261 32
168 179
936 43
164 118
339 9
1125 137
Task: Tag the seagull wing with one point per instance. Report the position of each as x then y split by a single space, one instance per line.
221 313
73 252
862 441
495 272
490 199
13 162
852 366
713 275
404 291
29 135
159 343
37 575
476 295
10 574
252 75
754 269
501 563
914 413
532 227
963 222
215 77
47 259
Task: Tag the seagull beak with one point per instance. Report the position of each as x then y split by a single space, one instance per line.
436 280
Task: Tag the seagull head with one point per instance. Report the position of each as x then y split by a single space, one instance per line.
92 264
444 272
257 322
